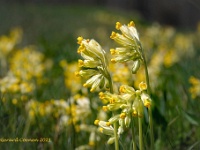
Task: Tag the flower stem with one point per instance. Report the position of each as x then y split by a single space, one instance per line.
116 136
133 133
149 109
140 133
114 113
151 128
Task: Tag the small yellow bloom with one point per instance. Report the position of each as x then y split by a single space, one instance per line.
101 95
108 123
143 86
105 108
134 113
113 60
112 51
81 49
111 140
14 101
96 122
131 24
147 103
80 63
79 39
113 35
122 115
118 25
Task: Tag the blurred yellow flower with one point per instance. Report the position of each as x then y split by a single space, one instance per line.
195 87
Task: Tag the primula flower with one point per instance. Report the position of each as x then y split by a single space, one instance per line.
195 87
131 47
94 65
129 102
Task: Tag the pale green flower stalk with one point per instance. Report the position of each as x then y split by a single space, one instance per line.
131 50
94 70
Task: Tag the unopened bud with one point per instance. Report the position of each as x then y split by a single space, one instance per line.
111 140
136 66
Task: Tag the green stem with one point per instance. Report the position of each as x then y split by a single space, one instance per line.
116 136
146 73
114 113
133 133
149 109
27 127
140 133
151 128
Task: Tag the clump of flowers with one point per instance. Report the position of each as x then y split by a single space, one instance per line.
23 69
8 43
195 87
94 65
7 46
128 102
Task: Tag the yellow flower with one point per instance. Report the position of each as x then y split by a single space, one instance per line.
131 47
195 87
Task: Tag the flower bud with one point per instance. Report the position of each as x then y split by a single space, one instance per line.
96 84
122 115
114 119
136 66
96 122
79 39
115 106
127 121
126 89
107 131
93 47
118 25
122 40
92 139
146 99
143 86
87 73
120 130
111 140
92 80
88 63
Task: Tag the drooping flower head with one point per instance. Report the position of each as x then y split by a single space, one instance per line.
93 67
129 41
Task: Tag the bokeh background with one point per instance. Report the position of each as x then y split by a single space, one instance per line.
40 97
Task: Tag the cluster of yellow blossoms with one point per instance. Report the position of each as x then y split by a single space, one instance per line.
94 65
22 69
130 102
195 87
94 68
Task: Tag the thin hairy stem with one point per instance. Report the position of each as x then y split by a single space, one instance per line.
151 128
115 124
115 134
114 113
133 133
140 133
149 109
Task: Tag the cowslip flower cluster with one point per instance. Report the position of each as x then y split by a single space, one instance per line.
8 43
75 86
195 87
57 109
93 67
129 102
26 65
130 49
